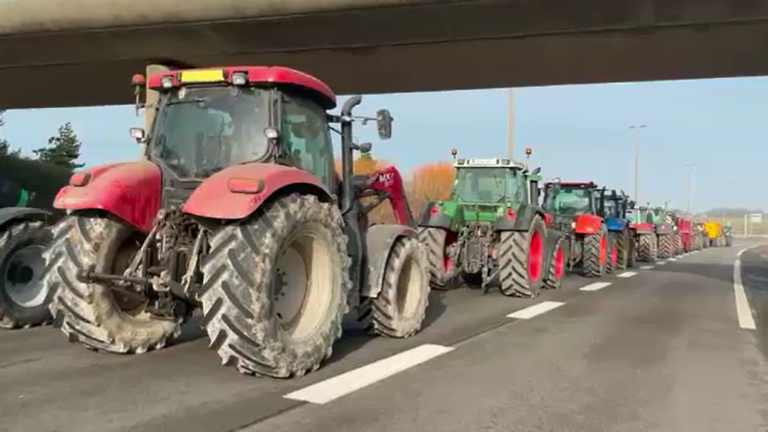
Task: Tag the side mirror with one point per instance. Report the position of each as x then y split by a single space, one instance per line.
536 171
139 135
365 147
384 124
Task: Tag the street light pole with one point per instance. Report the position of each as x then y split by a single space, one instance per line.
636 130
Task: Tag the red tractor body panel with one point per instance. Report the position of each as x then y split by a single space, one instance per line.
684 229
236 192
587 223
130 191
642 226
273 75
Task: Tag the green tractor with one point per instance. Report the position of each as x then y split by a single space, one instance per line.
491 230
668 240
25 218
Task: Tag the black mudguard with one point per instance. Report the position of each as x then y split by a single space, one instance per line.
522 221
379 240
9 214
439 220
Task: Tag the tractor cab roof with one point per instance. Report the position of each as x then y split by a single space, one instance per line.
574 184
489 163
264 75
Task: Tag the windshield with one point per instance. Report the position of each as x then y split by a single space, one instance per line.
567 201
199 131
486 184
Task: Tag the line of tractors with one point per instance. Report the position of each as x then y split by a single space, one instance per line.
236 212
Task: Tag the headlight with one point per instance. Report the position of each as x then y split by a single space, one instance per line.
573 225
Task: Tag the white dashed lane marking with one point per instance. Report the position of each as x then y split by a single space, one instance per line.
535 310
627 274
594 286
346 383
648 267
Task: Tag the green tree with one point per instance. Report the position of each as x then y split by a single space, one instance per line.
5 146
63 149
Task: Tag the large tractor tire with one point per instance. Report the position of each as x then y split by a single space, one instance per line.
678 245
401 306
595 254
729 241
613 255
275 288
93 313
647 250
520 260
556 271
433 240
666 246
622 242
23 299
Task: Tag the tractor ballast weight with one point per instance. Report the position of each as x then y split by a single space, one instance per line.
24 234
237 210
574 209
491 230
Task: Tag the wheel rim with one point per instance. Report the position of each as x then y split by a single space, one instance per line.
601 251
409 287
21 276
302 285
534 256
558 263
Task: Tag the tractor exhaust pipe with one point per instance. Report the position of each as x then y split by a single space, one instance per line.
347 147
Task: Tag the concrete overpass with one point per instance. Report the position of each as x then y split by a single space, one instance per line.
83 52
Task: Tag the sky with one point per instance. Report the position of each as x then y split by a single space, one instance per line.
576 133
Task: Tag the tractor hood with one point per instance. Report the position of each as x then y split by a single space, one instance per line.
480 212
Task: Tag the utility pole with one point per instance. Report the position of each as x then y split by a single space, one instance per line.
689 184
636 129
510 123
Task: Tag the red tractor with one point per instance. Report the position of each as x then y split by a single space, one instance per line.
236 210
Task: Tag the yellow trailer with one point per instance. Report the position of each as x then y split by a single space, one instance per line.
714 233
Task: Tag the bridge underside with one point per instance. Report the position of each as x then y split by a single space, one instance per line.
425 48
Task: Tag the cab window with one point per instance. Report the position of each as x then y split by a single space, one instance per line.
306 139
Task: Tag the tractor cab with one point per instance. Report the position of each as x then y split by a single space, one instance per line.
570 199
210 119
496 182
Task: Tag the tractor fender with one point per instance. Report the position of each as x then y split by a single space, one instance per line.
549 248
237 191
586 223
642 227
522 220
130 191
379 240
10 214
433 216
664 228
615 224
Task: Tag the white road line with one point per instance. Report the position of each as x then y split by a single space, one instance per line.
743 311
661 263
535 310
594 286
627 274
341 385
648 267
672 259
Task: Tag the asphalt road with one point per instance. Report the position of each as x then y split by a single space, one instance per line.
658 350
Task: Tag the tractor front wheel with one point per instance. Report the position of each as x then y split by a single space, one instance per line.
401 306
275 288
666 246
23 299
95 314
595 253
556 269
439 263
520 260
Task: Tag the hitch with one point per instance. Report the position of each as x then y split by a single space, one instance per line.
91 276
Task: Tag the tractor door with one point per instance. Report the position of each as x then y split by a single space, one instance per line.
306 138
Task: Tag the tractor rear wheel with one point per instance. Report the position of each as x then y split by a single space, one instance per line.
647 249
520 260
613 255
275 288
623 249
95 314
678 245
23 299
595 253
433 240
401 306
556 269
666 246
